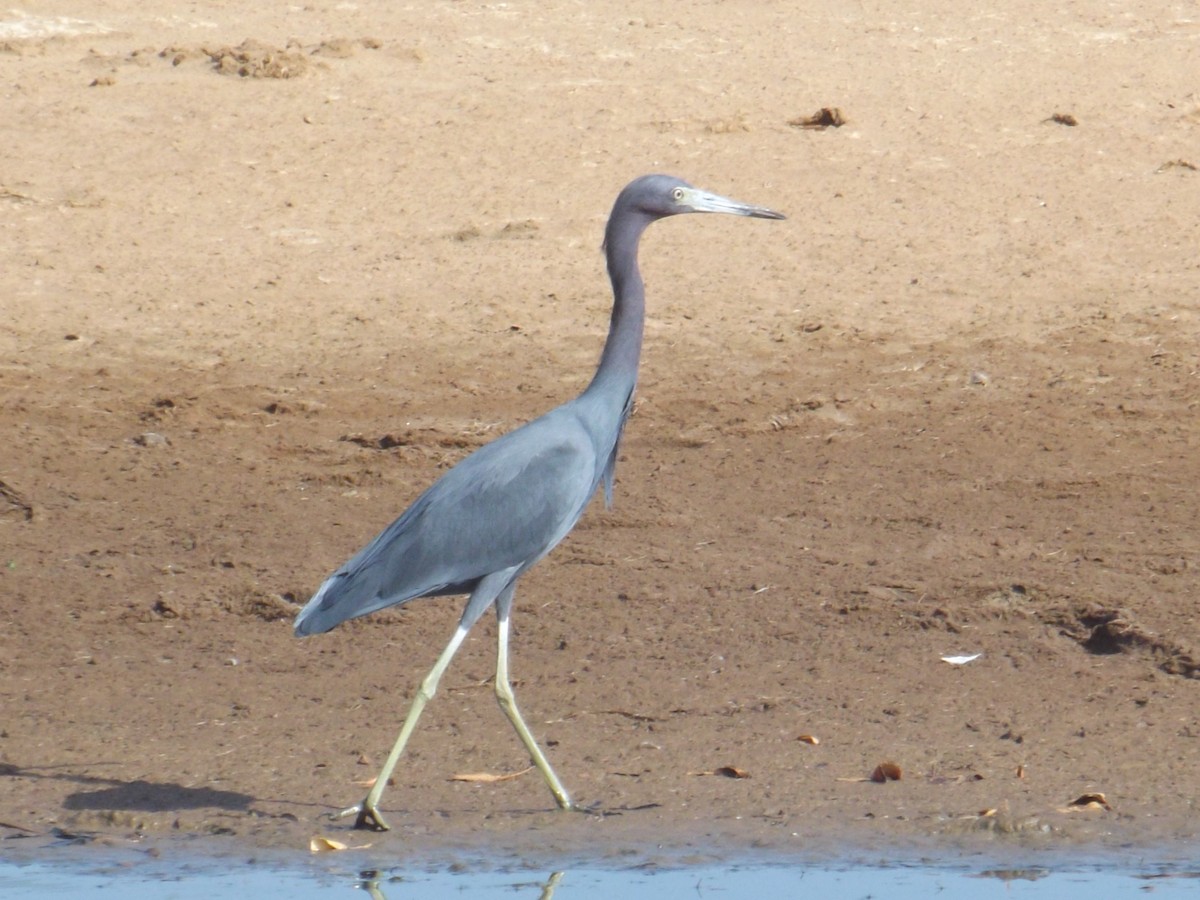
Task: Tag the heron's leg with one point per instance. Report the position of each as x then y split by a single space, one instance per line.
485 593
368 811
508 703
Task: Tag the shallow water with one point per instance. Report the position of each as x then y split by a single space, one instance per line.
320 877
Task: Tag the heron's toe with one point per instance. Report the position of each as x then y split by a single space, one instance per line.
370 819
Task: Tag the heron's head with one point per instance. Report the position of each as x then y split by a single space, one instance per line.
658 196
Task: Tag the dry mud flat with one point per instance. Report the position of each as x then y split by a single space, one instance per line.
265 274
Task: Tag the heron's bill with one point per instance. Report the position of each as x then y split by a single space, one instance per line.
704 202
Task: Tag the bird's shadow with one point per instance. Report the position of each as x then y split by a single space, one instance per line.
150 796
138 795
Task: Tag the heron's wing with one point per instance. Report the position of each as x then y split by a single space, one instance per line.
503 507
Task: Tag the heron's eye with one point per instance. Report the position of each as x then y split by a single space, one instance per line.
677 194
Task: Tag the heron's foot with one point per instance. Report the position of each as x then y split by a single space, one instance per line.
367 817
370 819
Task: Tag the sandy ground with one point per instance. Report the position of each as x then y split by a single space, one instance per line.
265 274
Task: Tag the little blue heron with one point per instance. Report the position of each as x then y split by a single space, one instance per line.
504 507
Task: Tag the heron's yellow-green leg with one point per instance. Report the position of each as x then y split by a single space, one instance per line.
368 813
508 703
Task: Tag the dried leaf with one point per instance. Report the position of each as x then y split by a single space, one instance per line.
320 844
822 118
732 772
1165 167
1093 800
809 739
488 777
961 660
724 772
886 771
325 845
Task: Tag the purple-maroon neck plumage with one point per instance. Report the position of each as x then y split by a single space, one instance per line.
618 368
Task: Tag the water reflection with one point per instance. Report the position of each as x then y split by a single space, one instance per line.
1039 876
1033 874
369 881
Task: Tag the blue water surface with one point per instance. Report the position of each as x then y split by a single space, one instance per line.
322 878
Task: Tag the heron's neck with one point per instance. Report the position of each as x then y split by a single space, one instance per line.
617 373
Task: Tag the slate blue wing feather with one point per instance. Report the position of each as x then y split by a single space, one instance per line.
506 505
